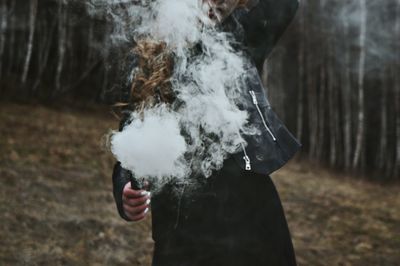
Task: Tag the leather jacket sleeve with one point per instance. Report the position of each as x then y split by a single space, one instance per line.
120 175
263 26
120 179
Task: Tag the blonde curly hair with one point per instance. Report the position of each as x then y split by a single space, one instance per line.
151 82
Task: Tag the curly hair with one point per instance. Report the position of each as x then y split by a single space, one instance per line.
151 82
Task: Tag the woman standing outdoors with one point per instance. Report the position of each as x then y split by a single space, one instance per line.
235 216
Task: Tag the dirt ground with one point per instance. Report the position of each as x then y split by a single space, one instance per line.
56 204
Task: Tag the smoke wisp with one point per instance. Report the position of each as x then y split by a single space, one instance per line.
197 134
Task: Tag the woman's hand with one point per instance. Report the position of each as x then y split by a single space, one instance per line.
136 203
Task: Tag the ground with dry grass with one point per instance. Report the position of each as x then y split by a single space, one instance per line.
56 204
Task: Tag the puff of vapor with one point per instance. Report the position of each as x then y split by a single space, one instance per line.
152 146
209 85
175 22
216 85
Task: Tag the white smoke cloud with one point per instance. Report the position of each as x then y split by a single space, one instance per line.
175 22
209 85
151 145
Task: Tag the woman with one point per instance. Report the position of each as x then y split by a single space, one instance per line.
234 217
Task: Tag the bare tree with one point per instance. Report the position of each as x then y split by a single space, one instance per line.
47 34
359 149
346 101
311 89
382 150
321 110
396 171
32 26
332 110
312 109
62 32
300 100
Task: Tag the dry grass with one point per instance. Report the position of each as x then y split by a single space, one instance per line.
57 208
337 220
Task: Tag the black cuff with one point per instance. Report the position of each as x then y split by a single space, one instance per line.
120 178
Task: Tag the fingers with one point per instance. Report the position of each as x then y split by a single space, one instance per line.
134 197
136 213
138 217
135 210
136 203
131 193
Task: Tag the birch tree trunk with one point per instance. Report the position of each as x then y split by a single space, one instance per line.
333 112
32 23
396 171
300 101
346 100
382 150
62 32
44 52
311 84
312 110
359 149
321 111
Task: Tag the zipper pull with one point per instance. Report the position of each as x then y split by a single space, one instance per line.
253 96
247 161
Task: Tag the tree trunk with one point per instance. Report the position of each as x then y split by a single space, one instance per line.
321 111
312 110
44 52
62 16
300 100
382 150
396 170
359 150
311 89
347 101
333 113
32 23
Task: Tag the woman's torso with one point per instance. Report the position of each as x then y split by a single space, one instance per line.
233 212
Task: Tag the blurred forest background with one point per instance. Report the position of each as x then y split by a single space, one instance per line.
334 79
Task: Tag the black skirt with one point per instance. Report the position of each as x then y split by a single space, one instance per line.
234 217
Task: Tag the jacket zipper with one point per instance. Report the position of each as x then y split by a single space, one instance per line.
246 158
253 96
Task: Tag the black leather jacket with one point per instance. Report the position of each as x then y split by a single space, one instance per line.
257 31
